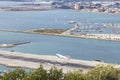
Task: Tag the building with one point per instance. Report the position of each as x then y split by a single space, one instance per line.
77 6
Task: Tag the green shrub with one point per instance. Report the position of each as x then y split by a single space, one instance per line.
55 74
38 74
100 72
104 72
75 75
17 74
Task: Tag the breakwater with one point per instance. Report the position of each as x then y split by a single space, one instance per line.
19 43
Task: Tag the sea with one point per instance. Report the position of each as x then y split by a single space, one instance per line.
76 48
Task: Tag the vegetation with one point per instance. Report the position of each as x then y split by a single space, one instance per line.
100 72
17 74
75 75
54 31
104 72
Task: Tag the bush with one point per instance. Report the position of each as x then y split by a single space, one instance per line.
75 75
104 72
17 74
100 72
39 74
55 74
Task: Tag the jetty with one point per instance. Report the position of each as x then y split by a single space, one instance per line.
13 45
33 61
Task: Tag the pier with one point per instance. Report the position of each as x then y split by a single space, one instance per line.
20 43
33 61
13 45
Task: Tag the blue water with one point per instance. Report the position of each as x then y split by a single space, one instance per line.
78 48
23 20
9 3
87 49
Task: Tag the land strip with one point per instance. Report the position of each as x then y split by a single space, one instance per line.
67 33
18 59
25 8
47 30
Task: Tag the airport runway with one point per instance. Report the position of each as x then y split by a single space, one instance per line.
18 59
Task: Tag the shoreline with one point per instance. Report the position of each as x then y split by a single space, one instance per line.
43 8
26 8
117 14
108 37
85 36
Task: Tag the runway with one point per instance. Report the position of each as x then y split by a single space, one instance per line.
33 61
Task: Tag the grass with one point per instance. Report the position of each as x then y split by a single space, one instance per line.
52 31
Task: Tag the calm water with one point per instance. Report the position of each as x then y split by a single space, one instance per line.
87 49
22 20
9 3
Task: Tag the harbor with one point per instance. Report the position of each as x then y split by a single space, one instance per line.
79 48
59 39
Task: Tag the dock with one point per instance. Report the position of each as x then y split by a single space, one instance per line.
33 61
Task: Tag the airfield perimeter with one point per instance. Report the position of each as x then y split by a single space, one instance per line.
33 61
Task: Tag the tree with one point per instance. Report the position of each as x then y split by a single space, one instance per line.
38 74
55 74
104 72
17 74
75 75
